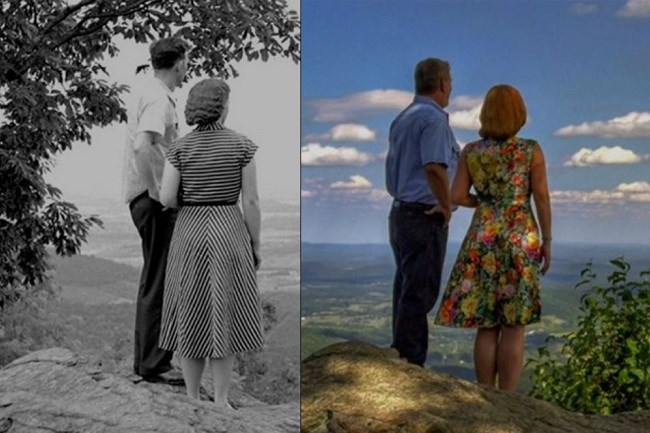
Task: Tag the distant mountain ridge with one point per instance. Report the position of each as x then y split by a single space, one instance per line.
566 258
82 201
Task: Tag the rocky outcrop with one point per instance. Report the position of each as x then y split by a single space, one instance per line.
355 387
57 391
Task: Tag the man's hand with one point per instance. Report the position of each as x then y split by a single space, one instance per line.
444 210
439 184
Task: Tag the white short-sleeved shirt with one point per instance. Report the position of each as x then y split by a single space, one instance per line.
153 109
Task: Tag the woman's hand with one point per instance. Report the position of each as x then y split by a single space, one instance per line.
257 258
444 210
545 256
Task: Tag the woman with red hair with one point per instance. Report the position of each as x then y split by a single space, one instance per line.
494 284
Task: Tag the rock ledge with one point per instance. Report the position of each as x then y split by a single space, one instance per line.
354 387
57 391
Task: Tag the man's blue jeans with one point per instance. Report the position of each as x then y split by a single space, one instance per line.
419 243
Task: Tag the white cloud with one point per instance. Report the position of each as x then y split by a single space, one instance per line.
624 192
362 103
356 182
315 154
466 119
312 182
635 9
463 110
604 155
463 102
356 191
352 132
584 8
346 132
643 198
634 187
313 187
595 196
633 124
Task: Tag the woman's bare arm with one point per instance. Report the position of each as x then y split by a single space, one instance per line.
460 194
169 186
539 185
251 206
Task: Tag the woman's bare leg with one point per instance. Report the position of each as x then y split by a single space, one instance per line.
485 355
221 373
192 371
510 357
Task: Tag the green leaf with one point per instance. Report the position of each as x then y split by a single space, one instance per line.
42 120
602 367
620 263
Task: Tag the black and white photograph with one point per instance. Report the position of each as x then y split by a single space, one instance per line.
149 216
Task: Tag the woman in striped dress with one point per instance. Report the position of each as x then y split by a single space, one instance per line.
211 307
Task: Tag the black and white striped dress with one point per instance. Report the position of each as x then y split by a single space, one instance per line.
211 307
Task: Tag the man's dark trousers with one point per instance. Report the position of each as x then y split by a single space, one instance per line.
155 227
419 242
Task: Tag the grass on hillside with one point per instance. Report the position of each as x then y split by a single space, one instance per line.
312 340
363 312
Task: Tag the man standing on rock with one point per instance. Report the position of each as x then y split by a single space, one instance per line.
152 127
422 157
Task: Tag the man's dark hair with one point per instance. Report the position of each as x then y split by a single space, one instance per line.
428 73
166 52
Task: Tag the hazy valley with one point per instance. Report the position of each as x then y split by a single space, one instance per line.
347 294
97 291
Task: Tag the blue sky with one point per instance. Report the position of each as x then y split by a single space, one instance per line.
582 68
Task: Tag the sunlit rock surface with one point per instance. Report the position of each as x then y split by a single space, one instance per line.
355 387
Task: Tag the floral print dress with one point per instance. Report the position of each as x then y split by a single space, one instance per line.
495 280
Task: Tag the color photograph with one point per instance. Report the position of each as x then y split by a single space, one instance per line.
537 283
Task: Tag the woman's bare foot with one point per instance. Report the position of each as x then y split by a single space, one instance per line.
227 406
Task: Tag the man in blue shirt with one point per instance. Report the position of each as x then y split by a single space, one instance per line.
422 158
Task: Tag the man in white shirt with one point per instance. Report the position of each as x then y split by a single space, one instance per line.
152 128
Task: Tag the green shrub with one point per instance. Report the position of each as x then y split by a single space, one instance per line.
604 366
30 323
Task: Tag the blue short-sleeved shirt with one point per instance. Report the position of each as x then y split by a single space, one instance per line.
419 135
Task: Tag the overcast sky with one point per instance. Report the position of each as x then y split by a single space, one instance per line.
581 66
264 105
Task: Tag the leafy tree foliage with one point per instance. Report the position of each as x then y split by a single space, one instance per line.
603 367
54 89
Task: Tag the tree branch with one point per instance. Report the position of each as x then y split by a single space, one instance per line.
65 13
136 6
161 16
139 5
86 32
